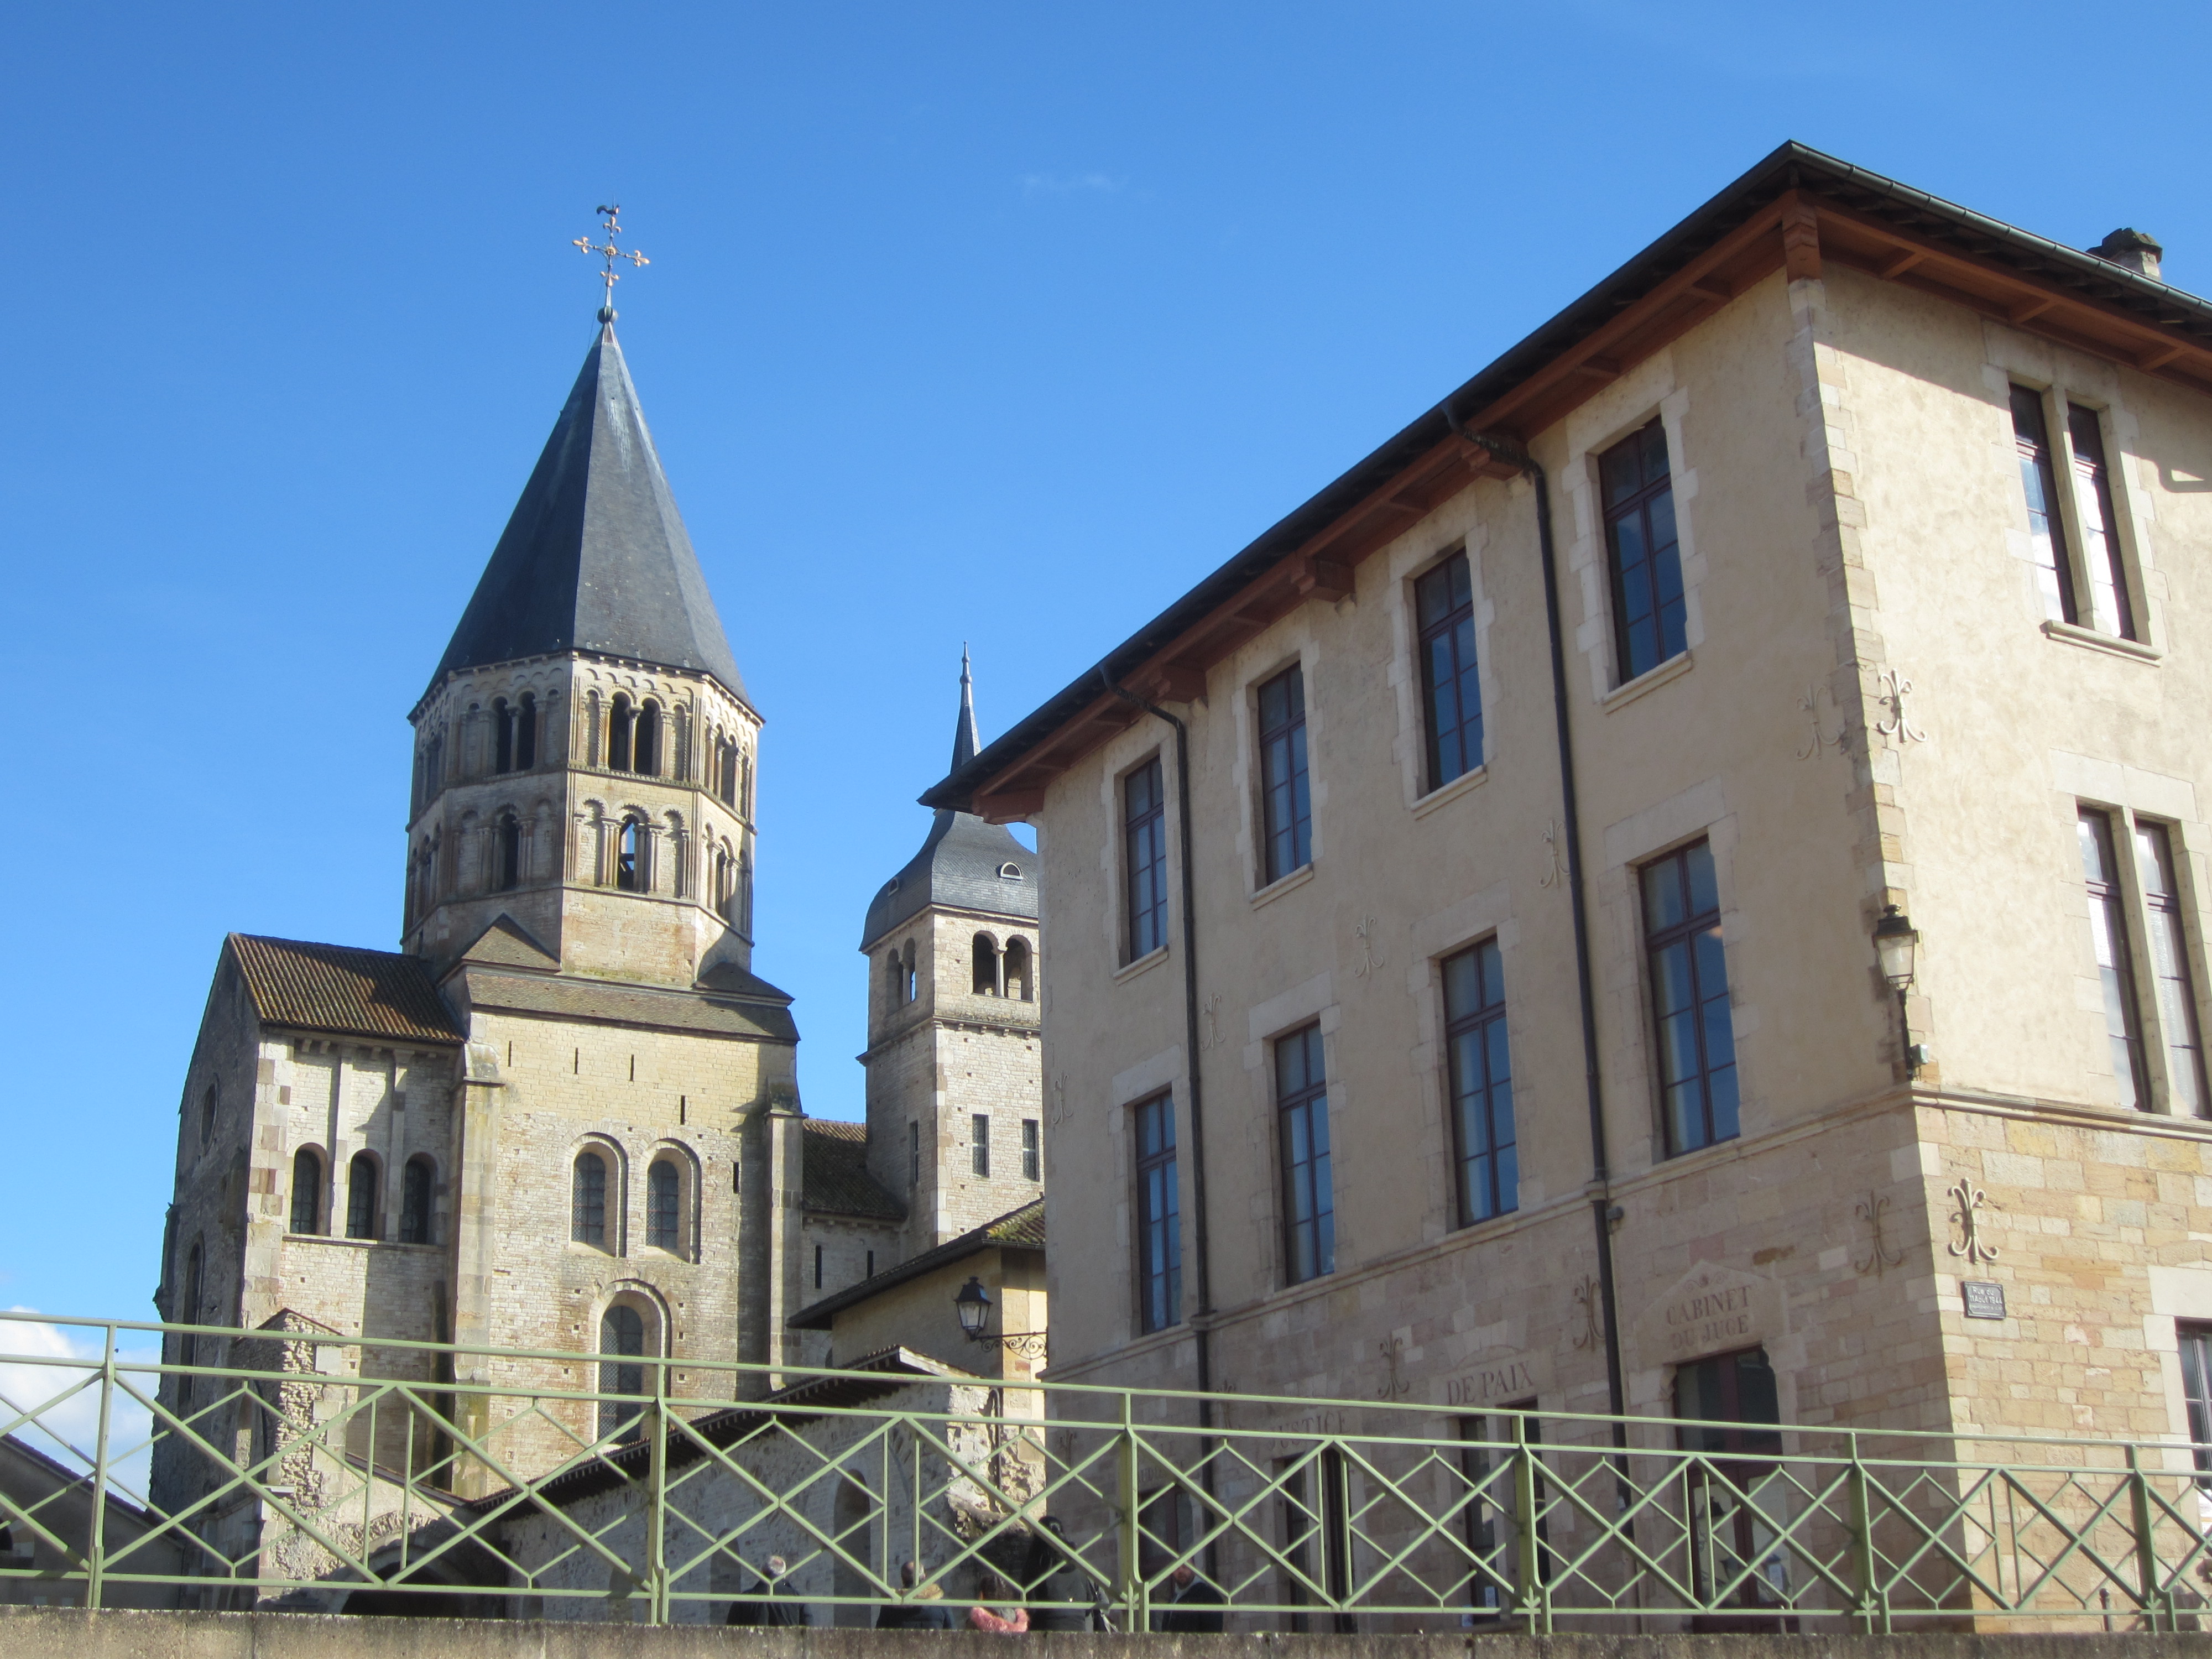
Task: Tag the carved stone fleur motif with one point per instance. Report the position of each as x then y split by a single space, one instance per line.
1059 1116
1555 869
1394 1386
1586 1311
1880 1257
1369 959
1971 1246
1899 726
1211 1010
1816 740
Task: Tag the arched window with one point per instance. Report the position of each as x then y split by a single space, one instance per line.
502 735
587 1200
633 873
306 1190
722 882
1018 978
744 922
207 1115
510 852
360 1197
985 977
645 743
910 984
895 977
746 787
621 1331
620 720
663 1187
188 1346
726 759
525 733
415 1188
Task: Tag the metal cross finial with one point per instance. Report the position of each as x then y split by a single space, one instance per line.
609 252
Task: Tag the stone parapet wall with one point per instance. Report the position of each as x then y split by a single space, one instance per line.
72 1633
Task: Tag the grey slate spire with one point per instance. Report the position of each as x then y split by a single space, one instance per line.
964 744
964 862
595 557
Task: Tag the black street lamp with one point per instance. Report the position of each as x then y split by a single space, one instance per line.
973 1304
1895 942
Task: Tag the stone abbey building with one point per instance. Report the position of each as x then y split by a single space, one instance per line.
563 1115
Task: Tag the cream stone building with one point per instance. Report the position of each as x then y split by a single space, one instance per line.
563 1116
1462 985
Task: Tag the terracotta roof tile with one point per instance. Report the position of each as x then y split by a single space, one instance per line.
336 987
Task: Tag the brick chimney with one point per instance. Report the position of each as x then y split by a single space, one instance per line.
2133 250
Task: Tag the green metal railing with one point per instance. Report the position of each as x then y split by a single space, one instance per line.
288 1466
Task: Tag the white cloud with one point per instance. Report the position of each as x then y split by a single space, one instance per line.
63 1400
1072 184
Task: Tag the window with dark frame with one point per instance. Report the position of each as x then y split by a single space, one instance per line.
2173 985
417 1182
1480 1072
2196 1342
1308 1200
631 857
587 1199
1159 1217
979 1144
1731 1413
510 852
1144 843
663 1187
1487 1465
1285 803
2111 610
306 1190
913 1154
360 1197
817 1266
502 718
1032 1150
1316 1536
1451 692
2108 938
1690 999
621 1331
1650 614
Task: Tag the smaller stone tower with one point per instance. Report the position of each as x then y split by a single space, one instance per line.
955 1078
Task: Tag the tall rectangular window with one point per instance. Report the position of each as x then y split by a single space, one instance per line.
1486 1462
1481 1075
1145 845
979 1144
1444 607
1159 1217
2172 983
2110 610
1316 1536
1032 1151
817 1266
913 1154
2047 520
2196 1389
2108 938
1308 1202
1284 801
1690 999
1650 617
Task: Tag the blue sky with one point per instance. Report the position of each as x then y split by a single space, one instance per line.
988 323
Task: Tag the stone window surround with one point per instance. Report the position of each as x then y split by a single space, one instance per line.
1314 1001
1296 647
1630 1058
1453 528
616 1242
1620 409
2065 377
1157 1074
648 1299
690 1185
1487 913
2130 793
1123 753
2176 1294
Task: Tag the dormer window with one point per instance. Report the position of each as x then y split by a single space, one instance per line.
1010 871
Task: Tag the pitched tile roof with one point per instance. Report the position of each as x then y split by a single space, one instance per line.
764 1015
1017 1229
336 987
837 1171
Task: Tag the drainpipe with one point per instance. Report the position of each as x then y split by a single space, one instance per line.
1204 1310
1601 1176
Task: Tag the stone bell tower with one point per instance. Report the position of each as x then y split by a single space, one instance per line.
584 757
955 1076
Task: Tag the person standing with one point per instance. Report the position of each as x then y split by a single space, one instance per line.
766 1603
1061 1595
923 1608
1194 1609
